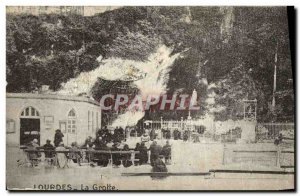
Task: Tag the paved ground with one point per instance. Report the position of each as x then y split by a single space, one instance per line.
187 157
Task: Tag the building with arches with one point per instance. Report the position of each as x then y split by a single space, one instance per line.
37 116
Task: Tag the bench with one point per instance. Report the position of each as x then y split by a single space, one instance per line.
132 152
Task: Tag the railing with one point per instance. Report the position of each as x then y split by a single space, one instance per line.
268 131
264 131
279 158
165 124
172 124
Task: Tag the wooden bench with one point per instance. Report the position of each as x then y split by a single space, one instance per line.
132 152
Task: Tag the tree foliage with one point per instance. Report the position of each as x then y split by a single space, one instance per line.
51 49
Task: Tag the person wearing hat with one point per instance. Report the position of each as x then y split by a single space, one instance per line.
48 149
58 137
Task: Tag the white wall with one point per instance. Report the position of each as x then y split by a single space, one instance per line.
59 109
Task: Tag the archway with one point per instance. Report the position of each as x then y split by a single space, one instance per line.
29 125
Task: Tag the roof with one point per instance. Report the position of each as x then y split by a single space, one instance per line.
51 97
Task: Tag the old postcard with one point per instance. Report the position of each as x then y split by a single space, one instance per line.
164 98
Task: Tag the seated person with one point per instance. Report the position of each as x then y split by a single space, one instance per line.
32 155
62 160
126 158
102 158
74 154
116 157
49 151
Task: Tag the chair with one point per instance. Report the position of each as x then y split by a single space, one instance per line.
33 158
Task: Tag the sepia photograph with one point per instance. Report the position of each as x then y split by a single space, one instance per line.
150 98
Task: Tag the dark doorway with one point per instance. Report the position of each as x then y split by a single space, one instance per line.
29 130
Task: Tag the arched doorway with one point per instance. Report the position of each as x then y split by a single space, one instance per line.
29 125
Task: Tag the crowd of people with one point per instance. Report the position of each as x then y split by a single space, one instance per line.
94 151
162 134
